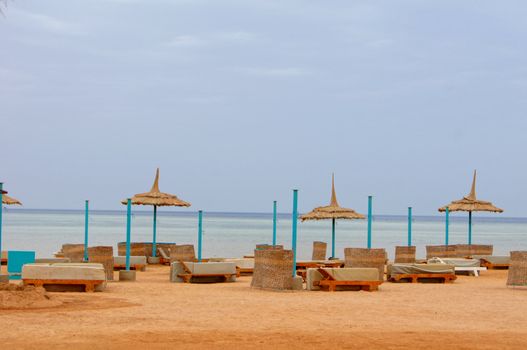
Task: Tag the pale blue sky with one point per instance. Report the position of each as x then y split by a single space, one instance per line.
238 102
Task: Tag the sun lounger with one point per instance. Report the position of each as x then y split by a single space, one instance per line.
494 261
302 266
244 266
164 256
136 263
332 278
421 272
460 264
205 272
89 275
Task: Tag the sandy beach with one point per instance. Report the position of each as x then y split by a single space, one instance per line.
152 313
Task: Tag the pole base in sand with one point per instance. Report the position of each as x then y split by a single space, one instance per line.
298 283
4 278
127 275
153 260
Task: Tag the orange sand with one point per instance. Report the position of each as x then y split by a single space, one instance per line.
472 313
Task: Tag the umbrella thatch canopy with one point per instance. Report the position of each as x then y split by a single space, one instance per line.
10 200
470 203
156 199
332 211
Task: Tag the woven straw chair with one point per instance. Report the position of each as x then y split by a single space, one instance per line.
440 251
518 269
183 252
319 250
74 252
136 249
404 255
103 255
269 247
364 257
273 269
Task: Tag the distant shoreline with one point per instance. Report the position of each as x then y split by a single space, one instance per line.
381 217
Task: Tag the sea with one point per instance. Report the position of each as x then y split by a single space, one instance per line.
236 234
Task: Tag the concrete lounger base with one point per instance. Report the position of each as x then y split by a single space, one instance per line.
128 276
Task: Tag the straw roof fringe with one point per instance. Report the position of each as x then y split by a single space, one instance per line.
470 203
157 198
10 200
333 210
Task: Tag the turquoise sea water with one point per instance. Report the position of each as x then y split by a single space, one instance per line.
236 234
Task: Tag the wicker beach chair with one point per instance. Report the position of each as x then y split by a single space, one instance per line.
517 275
319 250
440 251
273 269
104 256
183 252
136 248
405 254
74 252
364 257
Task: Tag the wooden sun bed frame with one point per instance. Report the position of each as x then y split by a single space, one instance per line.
244 271
301 267
187 276
164 259
137 267
89 285
331 283
415 277
491 266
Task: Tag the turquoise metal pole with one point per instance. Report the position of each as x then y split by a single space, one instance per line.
370 200
409 226
128 229
200 233
469 227
447 213
274 223
1 210
333 237
154 246
294 219
86 209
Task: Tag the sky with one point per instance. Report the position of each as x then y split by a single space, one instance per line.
240 101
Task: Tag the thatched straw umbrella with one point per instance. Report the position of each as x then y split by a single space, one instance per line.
157 199
9 200
469 204
332 211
